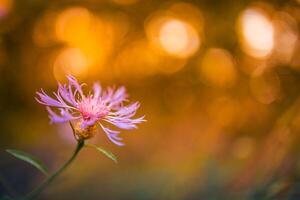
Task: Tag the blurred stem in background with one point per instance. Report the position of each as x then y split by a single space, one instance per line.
40 188
268 163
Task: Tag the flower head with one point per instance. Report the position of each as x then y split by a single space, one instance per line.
70 104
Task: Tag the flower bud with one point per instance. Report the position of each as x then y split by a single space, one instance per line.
84 133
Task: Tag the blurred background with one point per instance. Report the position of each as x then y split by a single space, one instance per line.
218 81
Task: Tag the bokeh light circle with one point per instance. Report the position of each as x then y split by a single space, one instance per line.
217 68
256 33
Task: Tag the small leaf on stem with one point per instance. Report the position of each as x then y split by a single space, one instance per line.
29 159
105 152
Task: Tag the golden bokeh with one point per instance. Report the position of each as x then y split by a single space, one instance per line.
178 38
137 59
70 61
218 84
78 28
286 37
74 25
217 68
224 111
266 87
175 33
256 32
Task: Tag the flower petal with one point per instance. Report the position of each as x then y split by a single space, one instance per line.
64 116
86 123
97 90
78 88
128 111
124 122
66 94
45 99
112 135
118 97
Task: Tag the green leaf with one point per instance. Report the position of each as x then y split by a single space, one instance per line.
105 152
29 159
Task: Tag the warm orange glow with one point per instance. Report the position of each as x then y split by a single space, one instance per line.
73 25
243 147
125 2
93 35
217 81
44 30
257 33
286 37
5 7
224 111
70 61
173 36
265 87
188 13
218 68
137 59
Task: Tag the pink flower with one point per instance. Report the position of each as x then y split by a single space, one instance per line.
97 107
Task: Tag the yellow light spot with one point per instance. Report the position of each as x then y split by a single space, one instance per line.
73 24
174 36
257 33
95 36
188 13
70 61
217 68
139 59
178 38
173 33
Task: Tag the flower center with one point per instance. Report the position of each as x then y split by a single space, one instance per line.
91 108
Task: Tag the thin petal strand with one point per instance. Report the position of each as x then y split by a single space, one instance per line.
112 135
64 116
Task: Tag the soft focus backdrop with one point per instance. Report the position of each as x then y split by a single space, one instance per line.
218 81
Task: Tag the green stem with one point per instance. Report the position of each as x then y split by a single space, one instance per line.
40 188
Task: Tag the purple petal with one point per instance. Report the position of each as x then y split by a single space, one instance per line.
97 90
87 123
64 116
44 99
66 94
128 111
107 95
118 97
112 135
73 82
124 122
